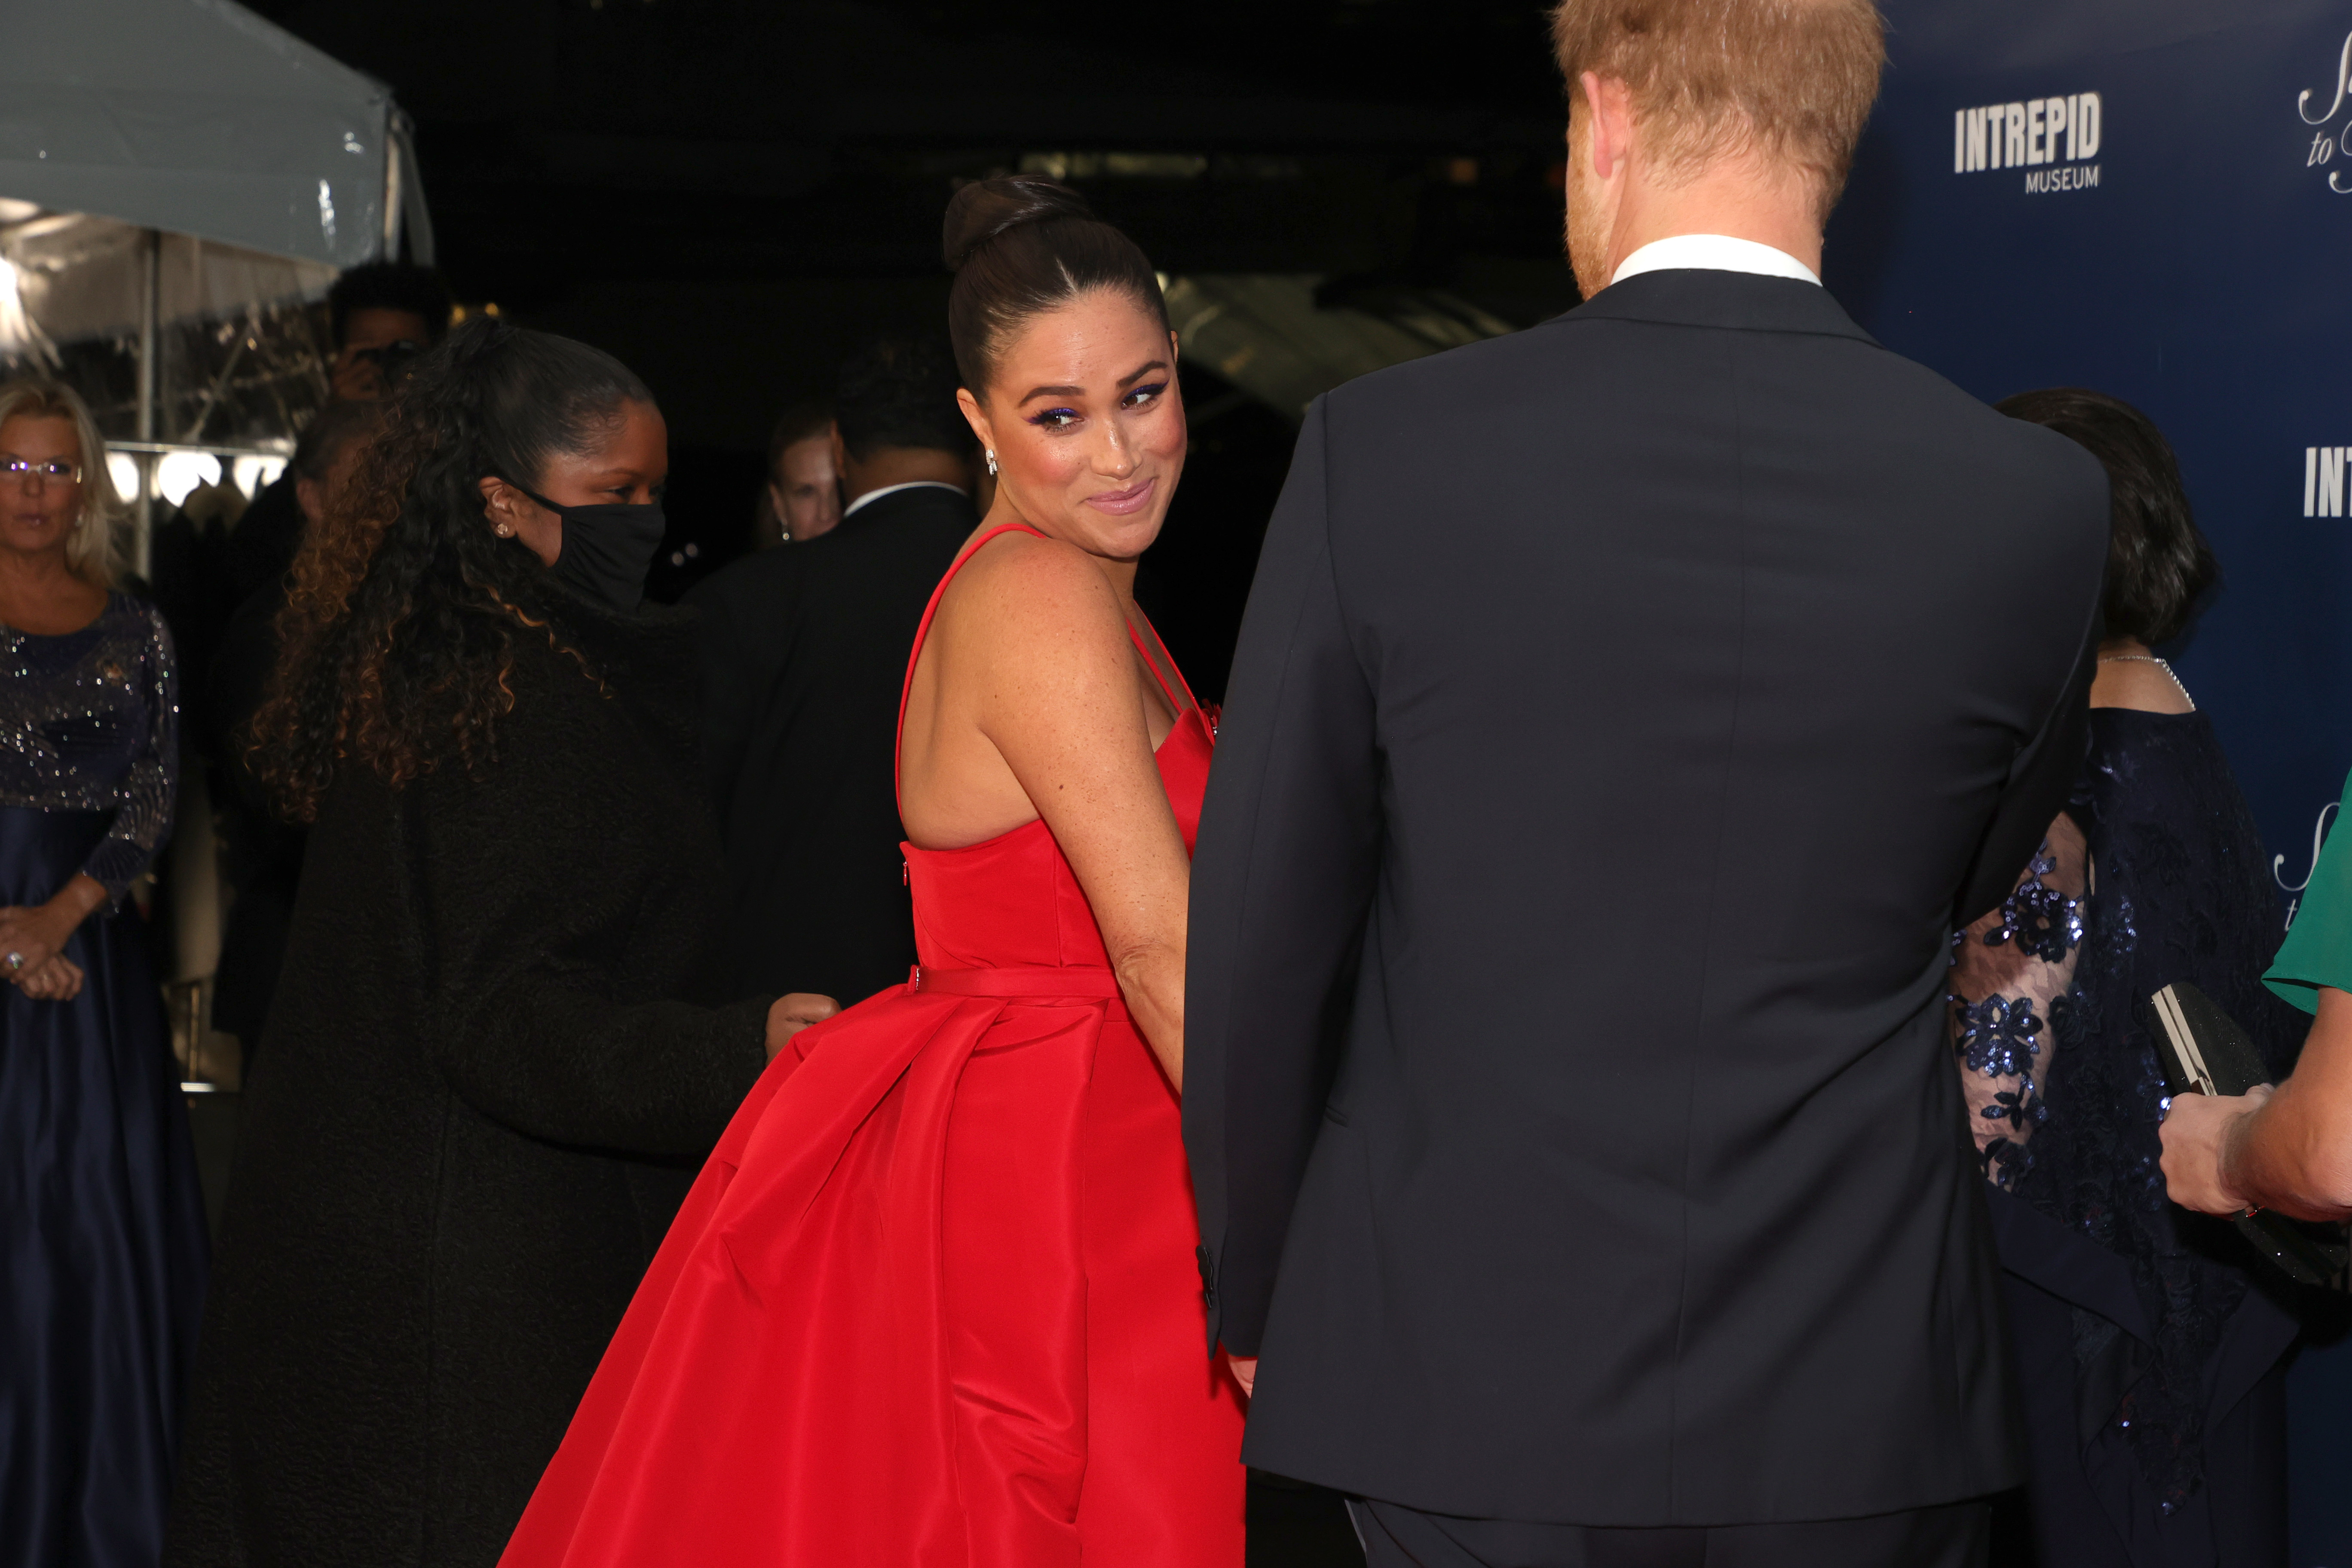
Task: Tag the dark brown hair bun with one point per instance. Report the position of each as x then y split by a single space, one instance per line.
1020 247
983 209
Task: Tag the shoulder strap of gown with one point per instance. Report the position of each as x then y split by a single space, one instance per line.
922 631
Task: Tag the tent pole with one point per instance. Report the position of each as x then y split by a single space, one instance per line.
151 308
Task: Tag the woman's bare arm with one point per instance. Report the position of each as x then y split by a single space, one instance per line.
1044 659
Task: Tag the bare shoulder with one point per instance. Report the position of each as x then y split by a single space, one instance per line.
1025 587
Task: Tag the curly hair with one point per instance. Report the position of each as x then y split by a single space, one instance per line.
397 641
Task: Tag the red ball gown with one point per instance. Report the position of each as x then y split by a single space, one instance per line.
933 1300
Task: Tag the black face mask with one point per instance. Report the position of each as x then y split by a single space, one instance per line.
608 550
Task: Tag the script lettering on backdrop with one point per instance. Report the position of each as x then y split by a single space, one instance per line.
2278 862
2053 140
2324 146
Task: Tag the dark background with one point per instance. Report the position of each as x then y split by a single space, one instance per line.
729 195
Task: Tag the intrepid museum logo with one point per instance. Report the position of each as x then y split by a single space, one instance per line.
2053 140
2327 146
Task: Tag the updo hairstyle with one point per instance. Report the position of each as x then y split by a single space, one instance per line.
1021 246
2158 564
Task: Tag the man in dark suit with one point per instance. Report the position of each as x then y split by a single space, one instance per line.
804 649
1565 1079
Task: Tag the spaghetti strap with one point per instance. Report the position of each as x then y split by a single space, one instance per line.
1185 702
922 632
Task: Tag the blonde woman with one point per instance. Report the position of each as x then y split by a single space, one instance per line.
102 1273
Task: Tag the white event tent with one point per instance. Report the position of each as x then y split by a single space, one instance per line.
171 160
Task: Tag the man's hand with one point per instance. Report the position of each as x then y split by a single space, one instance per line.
2196 1134
789 1014
356 376
1244 1372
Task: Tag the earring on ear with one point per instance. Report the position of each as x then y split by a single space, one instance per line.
504 531
992 462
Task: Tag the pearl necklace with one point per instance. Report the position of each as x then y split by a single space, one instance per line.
2151 659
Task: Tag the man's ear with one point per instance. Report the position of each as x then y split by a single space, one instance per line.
840 450
1609 108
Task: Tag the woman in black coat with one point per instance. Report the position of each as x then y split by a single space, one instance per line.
483 1093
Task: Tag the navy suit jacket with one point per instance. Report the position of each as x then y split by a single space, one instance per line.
1625 712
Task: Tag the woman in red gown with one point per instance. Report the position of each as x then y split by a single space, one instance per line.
933 1300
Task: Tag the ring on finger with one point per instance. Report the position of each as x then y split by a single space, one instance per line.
16 962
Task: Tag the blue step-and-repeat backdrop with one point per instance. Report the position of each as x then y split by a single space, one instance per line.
2154 198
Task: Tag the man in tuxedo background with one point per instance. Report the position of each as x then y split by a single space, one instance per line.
804 649
1566 1087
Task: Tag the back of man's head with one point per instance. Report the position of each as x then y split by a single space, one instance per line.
1792 80
390 286
900 392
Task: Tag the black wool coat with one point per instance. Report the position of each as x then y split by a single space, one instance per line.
480 1101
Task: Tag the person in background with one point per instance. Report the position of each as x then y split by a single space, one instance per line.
102 1246
380 317
803 651
484 1087
262 853
2134 1323
803 496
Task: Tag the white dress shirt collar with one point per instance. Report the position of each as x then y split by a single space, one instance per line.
870 497
1714 253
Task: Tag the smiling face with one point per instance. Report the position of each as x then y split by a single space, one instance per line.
37 513
1084 415
626 468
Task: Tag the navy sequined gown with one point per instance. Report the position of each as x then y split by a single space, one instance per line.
102 1247
2150 1342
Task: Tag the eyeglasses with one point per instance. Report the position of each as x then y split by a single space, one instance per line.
21 470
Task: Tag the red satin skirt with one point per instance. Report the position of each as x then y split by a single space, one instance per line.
934 1301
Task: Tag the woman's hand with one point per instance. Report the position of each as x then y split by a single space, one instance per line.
789 1014
1244 1372
58 979
2196 1134
31 937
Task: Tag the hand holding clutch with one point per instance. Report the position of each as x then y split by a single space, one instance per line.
2197 1133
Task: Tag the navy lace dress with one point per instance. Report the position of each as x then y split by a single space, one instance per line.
2150 1342
102 1242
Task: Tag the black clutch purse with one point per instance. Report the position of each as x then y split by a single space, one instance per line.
2203 1051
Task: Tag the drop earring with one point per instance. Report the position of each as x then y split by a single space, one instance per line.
992 462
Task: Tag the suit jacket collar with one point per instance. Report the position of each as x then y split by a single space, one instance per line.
914 499
1744 301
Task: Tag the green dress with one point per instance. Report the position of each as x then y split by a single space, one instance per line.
2318 947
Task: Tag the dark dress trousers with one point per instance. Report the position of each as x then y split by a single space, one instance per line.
1614 739
804 653
480 1103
